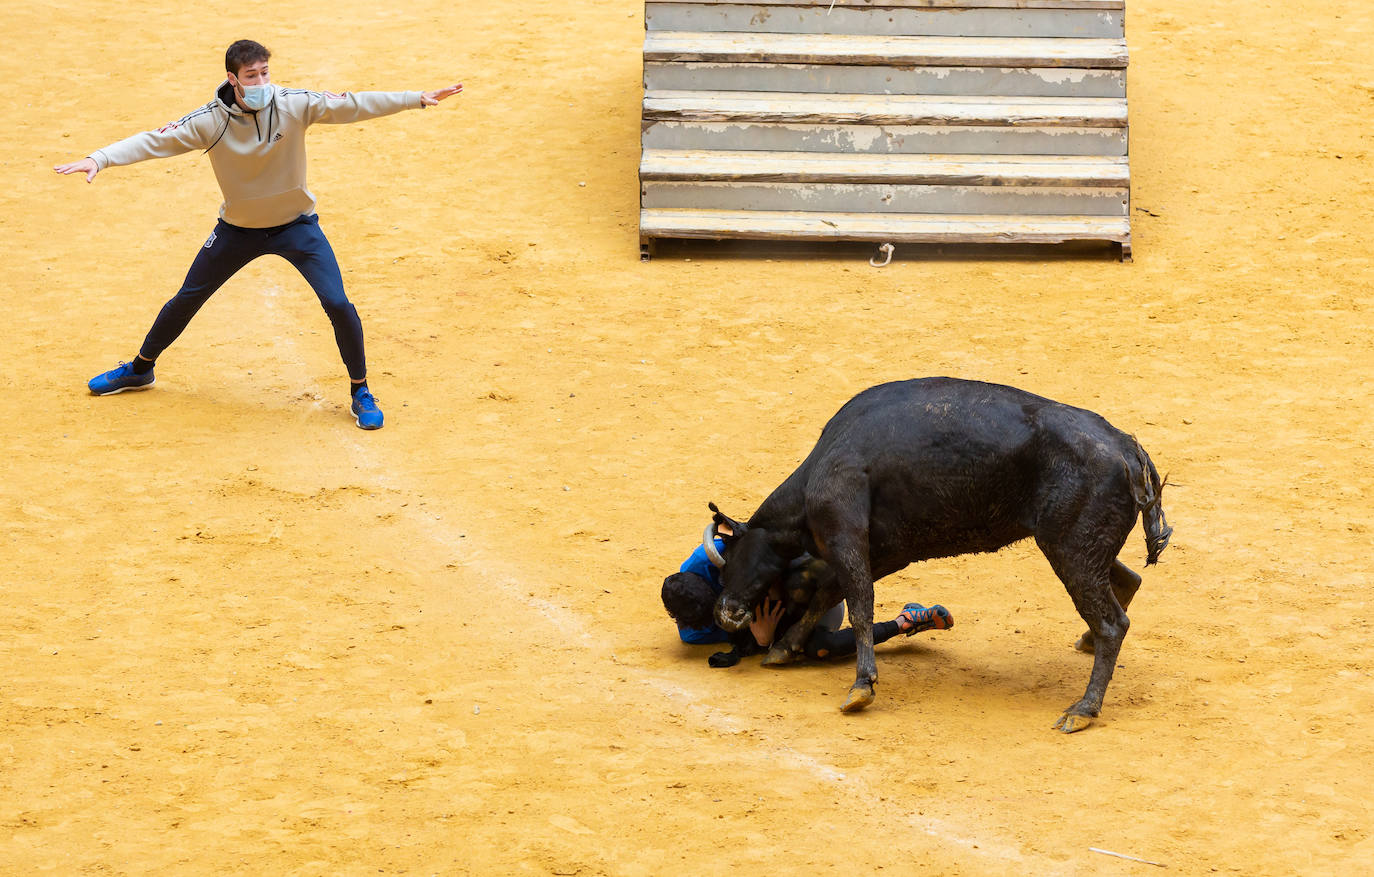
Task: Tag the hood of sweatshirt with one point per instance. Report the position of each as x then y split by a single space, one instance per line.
264 120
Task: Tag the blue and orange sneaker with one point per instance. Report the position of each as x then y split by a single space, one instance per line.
916 618
365 410
117 380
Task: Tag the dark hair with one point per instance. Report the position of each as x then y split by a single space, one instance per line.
242 53
690 599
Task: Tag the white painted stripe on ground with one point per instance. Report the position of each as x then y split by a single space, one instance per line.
693 703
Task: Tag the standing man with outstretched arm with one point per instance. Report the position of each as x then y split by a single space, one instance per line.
254 133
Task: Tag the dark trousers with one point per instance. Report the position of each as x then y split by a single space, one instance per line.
827 643
230 248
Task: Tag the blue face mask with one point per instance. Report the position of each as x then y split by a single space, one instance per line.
255 97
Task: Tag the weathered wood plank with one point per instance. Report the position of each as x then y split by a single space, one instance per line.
885 50
743 106
949 170
873 79
887 198
754 18
895 228
885 139
981 121
938 4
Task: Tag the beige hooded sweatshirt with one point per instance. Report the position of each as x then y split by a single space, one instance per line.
258 157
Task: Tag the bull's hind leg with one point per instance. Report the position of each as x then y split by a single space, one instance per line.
1084 566
1125 582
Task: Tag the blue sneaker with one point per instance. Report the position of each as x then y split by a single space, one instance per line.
117 380
365 410
916 618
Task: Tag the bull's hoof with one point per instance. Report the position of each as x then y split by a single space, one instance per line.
1071 722
777 656
859 697
1085 644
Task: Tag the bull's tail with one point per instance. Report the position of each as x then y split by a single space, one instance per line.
1148 490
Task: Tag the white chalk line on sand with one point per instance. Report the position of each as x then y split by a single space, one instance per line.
692 703
570 623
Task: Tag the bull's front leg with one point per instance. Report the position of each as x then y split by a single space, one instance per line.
839 523
860 604
849 557
791 646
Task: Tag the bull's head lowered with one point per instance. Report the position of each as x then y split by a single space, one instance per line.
753 560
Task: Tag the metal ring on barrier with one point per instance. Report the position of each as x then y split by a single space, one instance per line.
886 251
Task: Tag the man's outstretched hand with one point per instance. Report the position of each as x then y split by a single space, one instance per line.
85 166
430 98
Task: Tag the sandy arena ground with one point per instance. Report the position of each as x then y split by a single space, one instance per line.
241 636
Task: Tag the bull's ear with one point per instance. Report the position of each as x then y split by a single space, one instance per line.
724 522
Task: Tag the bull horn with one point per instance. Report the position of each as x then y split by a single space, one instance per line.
708 541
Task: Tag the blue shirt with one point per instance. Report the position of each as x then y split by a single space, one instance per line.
698 563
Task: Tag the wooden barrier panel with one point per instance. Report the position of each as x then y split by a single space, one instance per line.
922 169
913 21
766 225
901 50
927 79
891 120
749 106
885 139
943 4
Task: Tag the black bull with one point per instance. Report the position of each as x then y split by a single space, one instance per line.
937 467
